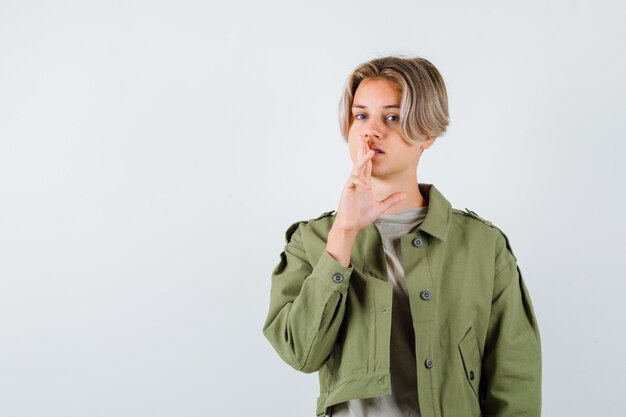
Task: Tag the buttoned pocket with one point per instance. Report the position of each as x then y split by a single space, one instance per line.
471 359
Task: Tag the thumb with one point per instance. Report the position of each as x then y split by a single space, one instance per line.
392 199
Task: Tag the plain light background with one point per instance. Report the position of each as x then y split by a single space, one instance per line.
152 155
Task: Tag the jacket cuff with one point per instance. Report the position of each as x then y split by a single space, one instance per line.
331 273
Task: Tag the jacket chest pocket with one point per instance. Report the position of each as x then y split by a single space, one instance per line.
471 360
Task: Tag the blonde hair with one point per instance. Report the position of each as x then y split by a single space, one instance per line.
424 103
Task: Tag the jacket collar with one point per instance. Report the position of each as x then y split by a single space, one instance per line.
438 216
439 213
436 223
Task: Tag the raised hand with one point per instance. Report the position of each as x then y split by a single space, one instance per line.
358 206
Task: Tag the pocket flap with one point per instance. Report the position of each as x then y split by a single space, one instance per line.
470 356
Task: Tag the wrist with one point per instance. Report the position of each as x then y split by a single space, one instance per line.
340 233
339 245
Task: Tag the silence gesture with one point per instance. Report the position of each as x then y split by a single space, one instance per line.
358 206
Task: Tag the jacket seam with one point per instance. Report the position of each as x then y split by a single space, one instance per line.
313 336
433 385
503 266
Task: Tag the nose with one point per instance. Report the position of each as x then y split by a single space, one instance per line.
373 129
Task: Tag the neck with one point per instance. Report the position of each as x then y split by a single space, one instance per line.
409 185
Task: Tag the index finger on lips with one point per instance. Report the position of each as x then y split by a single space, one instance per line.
360 166
359 155
364 146
367 170
361 150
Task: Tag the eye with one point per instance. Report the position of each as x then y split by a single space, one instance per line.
393 115
356 116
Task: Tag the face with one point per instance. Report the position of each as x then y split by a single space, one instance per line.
376 117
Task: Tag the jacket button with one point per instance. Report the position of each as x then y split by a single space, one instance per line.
426 295
417 242
429 363
472 375
337 277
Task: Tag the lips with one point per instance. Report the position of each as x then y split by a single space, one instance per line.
378 153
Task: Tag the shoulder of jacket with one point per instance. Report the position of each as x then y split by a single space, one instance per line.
292 228
325 214
473 214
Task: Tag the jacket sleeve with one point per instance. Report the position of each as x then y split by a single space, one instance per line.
512 355
307 305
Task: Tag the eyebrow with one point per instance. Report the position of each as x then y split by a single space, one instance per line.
389 106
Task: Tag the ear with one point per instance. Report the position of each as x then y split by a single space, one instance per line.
427 143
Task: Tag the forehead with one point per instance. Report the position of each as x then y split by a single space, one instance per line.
376 93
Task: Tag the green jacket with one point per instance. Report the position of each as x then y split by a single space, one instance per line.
476 337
